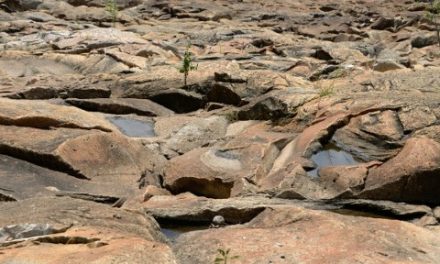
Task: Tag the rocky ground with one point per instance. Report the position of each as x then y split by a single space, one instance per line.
309 132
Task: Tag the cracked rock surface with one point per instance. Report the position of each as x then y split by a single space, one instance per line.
310 128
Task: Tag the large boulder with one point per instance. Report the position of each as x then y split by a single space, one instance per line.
229 168
411 176
374 136
106 158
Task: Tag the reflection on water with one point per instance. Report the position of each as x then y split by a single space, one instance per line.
132 127
331 155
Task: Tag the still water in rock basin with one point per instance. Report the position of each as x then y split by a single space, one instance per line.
172 232
132 127
331 155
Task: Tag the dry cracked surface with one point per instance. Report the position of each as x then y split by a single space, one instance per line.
308 133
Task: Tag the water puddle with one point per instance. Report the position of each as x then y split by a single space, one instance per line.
173 231
132 127
331 155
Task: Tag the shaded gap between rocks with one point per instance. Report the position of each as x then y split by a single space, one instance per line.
6 198
172 227
44 123
374 212
109 108
43 160
215 188
231 215
178 102
104 199
66 240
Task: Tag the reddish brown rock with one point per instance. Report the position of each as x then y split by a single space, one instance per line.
411 176
151 191
42 114
54 230
297 235
227 169
374 136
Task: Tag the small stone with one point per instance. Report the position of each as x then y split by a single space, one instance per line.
218 220
387 65
97 244
52 189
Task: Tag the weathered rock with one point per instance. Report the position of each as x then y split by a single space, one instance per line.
383 23
411 176
423 41
89 39
23 180
290 235
343 178
111 158
49 86
191 134
375 136
356 80
275 105
151 191
78 231
44 115
227 169
387 65
190 208
416 118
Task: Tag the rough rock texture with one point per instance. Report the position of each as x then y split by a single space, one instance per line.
291 235
324 104
411 176
75 231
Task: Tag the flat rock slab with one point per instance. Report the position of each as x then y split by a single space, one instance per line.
21 180
298 235
45 86
42 114
75 231
81 153
28 66
222 168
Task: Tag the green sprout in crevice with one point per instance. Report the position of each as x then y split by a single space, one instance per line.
223 256
112 8
187 65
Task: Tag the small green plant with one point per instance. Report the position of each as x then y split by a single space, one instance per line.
223 256
112 8
325 90
433 15
187 64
